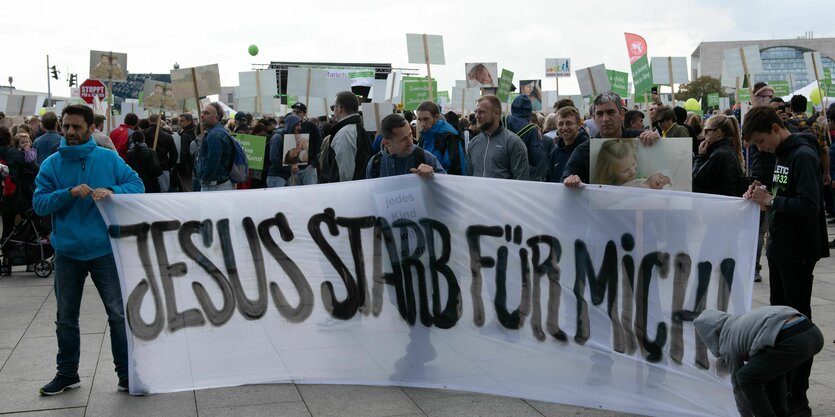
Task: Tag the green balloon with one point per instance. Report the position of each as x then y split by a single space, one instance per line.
253 50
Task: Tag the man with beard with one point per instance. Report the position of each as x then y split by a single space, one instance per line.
496 152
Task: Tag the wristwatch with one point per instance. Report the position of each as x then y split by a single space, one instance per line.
770 202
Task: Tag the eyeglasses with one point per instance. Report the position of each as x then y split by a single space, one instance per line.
333 106
781 108
708 130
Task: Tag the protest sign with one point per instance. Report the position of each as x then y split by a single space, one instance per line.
533 89
781 87
557 67
316 106
549 98
740 62
296 149
254 147
425 49
669 165
373 114
108 66
482 74
593 80
465 99
505 82
669 70
713 100
416 91
194 83
814 65
158 95
335 86
378 91
619 82
393 81
306 82
636 46
724 103
257 90
26 105
404 283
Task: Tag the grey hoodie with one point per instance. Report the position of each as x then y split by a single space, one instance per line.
736 337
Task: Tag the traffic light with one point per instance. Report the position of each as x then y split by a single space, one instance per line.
54 72
73 80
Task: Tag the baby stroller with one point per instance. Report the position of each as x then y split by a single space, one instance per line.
28 244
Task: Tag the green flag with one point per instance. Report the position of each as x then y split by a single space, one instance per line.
636 46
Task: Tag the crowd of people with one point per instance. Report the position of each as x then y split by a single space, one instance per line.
779 158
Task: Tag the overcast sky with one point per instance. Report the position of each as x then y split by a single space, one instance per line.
518 35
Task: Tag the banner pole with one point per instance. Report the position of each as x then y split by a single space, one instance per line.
197 100
672 87
156 131
593 87
428 68
307 91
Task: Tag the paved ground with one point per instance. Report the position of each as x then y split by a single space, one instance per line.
28 348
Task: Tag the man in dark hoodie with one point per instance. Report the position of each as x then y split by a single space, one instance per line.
797 233
165 148
519 122
441 139
185 167
762 349
399 154
571 135
280 172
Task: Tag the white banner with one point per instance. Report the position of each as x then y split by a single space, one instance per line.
513 288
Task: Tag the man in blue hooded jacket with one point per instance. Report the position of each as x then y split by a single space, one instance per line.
519 122
67 186
440 138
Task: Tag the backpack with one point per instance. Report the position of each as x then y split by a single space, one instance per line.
420 158
8 186
803 125
239 171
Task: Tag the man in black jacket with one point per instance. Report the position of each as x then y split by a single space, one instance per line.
185 166
795 226
165 148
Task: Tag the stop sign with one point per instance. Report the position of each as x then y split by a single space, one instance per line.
92 88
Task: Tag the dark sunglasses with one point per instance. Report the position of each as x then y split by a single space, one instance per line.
708 130
781 108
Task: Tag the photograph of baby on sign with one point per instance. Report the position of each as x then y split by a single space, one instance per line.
295 151
667 164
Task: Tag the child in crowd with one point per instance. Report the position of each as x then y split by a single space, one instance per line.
617 164
23 142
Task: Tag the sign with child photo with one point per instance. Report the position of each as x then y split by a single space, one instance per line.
667 164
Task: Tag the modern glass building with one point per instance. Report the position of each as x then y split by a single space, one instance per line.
782 58
786 63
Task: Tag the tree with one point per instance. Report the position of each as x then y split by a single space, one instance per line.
699 89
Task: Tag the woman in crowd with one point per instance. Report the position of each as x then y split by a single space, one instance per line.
717 167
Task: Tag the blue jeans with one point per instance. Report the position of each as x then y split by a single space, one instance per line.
224 186
274 181
70 275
